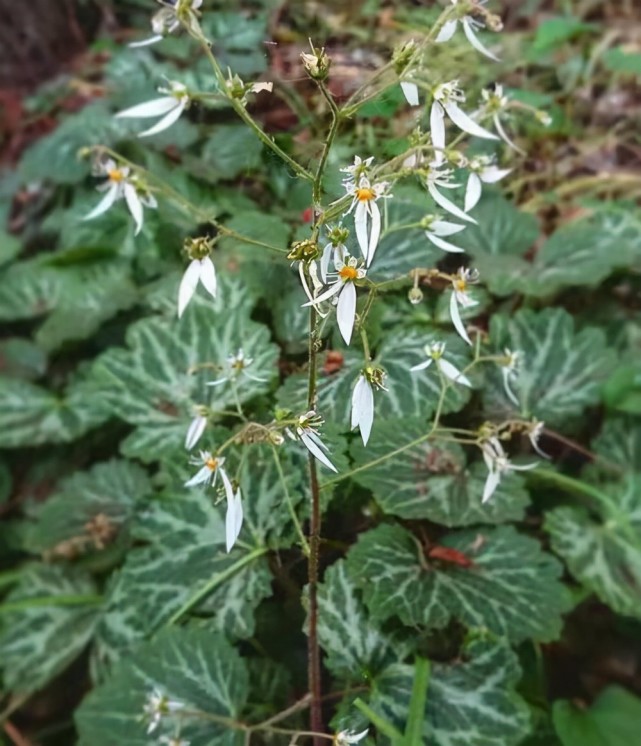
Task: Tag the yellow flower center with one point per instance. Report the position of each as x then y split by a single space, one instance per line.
460 285
348 273
115 174
365 194
212 464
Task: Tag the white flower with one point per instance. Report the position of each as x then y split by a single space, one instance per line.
510 370
343 287
212 467
443 178
367 215
121 185
460 297
334 251
497 102
436 229
470 27
498 464
534 435
169 107
434 354
196 429
199 270
482 171
410 91
363 400
166 21
348 737
306 431
447 98
237 365
157 706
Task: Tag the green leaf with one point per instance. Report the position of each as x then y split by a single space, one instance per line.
552 33
619 60
561 370
231 150
356 648
612 720
409 394
195 667
622 390
88 510
30 415
470 701
185 561
620 443
510 587
47 620
605 554
21 358
155 383
430 480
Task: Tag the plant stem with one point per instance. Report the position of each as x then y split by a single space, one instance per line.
290 506
316 189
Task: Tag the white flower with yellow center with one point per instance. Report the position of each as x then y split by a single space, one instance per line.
496 103
208 473
121 185
447 98
166 20
470 28
198 270
460 297
157 706
348 737
434 352
367 215
334 251
363 400
306 430
510 366
440 177
497 464
169 107
482 171
436 230
237 366
344 290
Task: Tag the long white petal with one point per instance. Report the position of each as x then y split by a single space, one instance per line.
135 206
492 174
508 389
105 203
452 372
445 228
203 475
329 293
238 513
208 276
437 130
466 123
324 264
410 91
447 204
423 365
456 319
316 452
188 285
474 41
445 245
155 108
360 223
523 467
145 42
491 483
473 191
194 433
363 408
165 122
447 31
346 311
303 281
230 515
504 136
375 232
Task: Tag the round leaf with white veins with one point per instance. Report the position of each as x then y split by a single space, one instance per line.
156 381
495 578
409 394
561 370
195 667
472 700
431 480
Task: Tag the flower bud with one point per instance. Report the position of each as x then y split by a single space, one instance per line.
338 236
402 56
304 251
199 248
543 117
415 296
317 63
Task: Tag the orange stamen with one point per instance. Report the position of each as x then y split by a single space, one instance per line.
365 194
348 273
115 174
212 464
